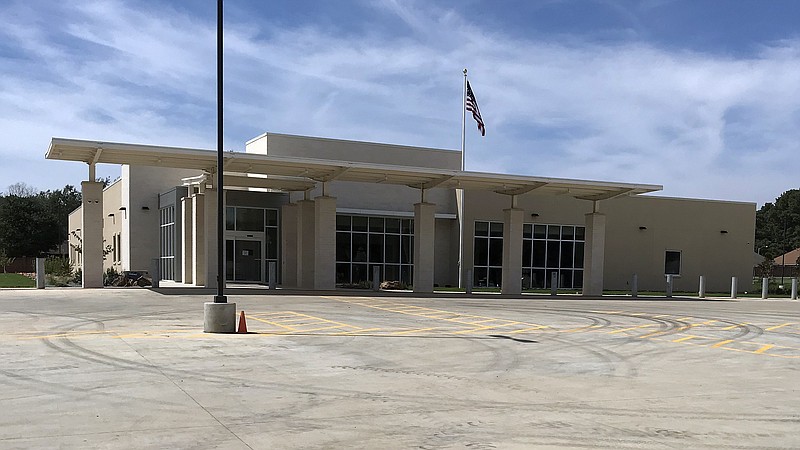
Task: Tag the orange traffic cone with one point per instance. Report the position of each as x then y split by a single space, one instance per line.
242 324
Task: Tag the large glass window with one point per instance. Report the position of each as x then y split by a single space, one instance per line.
363 243
488 254
167 242
549 249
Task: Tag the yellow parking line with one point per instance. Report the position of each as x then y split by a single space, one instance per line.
738 325
487 328
721 343
416 330
763 348
65 334
708 322
579 329
686 338
632 328
778 326
365 330
539 327
299 330
484 321
274 323
151 333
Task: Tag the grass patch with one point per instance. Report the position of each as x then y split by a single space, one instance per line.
15 280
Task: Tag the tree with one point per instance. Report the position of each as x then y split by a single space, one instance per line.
34 225
22 231
778 225
766 268
21 190
5 260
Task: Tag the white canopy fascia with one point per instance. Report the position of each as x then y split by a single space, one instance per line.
301 173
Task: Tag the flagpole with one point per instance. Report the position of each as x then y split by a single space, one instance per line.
464 121
460 192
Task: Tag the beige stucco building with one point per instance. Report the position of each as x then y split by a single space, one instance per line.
329 213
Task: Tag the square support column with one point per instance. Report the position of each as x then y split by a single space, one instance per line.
92 234
594 254
424 227
289 245
512 251
187 233
325 243
198 239
305 244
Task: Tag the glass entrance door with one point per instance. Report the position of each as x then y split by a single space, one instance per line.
244 260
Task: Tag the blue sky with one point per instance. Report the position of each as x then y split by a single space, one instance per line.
701 96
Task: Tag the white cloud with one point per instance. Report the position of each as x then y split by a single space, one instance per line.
702 125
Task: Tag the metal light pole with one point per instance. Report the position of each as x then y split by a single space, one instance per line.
783 249
219 315
220 297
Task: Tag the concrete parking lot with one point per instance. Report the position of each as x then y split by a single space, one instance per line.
131 368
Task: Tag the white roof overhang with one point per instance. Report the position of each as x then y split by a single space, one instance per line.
293 174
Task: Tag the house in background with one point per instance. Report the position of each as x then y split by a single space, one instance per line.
327 213
786 265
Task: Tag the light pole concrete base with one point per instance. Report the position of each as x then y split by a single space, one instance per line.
219 317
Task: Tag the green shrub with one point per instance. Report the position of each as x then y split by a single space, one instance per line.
58 266
109 276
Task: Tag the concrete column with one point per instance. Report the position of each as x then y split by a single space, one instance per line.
324 243
512 251
187 231
424 226
669 285
702 291
376 278
198 239
272 273
594 254
289 245
155 272
210 218
305 244
40 276
92 234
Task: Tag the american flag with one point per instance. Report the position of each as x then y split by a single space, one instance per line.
472 106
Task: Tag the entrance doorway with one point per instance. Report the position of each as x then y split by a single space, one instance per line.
245 258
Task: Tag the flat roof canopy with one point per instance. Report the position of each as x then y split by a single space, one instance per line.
296 174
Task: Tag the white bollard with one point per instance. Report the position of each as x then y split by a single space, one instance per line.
468 282
40 273
272 268
376 278
635 286
764 288
702 292
794 288
669 286
734 288
554 283
155 273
